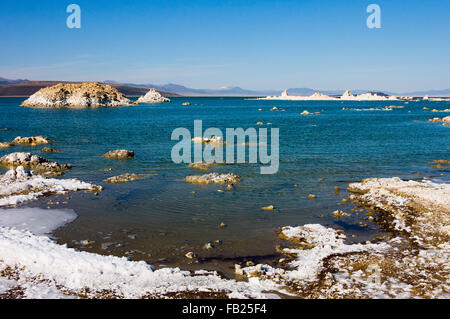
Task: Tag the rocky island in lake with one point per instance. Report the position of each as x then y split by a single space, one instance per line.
80 95
152 96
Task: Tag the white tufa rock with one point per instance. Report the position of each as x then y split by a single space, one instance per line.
152 96
86 94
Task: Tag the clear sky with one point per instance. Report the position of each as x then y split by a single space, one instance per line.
258 44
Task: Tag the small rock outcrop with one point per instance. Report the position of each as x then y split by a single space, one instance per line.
444 120
445 111
203 166
442 161
347 94
119 154
124 178
6 144
339 213
213 178
86 94
206 140
31 140
49 150
39 164
152 96
19 185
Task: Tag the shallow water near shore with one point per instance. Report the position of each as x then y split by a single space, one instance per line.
160 218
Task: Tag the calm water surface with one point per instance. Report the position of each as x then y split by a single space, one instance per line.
161 217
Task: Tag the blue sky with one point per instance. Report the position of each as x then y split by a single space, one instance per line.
257 44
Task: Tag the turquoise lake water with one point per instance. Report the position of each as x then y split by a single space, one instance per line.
161 217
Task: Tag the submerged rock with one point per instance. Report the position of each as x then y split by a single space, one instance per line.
213 178
339 213
203 166
190 255
6 144
124 178
32 140
39 164
444 120
445 111
49 150
208 246
152 96
119 154
442 161
86 94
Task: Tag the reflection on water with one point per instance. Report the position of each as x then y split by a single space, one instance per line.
161 217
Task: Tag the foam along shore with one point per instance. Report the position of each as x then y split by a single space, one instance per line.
152 96
411 263
77 95
347 96
33 266
18 186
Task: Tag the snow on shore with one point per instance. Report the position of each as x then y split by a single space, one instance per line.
19 185
414 264
34 266
36 220
36 260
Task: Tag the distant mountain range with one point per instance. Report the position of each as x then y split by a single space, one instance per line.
237 91
27 88
224 91
8 81
21 87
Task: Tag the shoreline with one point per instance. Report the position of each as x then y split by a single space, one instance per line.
263 281
278 273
